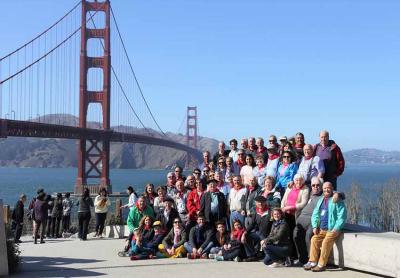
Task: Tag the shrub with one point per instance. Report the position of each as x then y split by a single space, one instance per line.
13 252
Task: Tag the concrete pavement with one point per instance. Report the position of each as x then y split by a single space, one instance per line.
98 257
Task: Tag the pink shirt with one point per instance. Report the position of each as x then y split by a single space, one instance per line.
292 199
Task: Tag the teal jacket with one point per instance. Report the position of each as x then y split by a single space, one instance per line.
135 215
336 217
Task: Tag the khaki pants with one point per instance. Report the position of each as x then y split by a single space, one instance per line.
179 252
321 246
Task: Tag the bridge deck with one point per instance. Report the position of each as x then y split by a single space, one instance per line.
74 258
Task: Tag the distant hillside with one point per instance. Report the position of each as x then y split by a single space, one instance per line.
372 156
58 153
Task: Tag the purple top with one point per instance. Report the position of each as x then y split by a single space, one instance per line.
324 153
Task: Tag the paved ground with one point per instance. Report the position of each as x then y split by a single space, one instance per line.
95 257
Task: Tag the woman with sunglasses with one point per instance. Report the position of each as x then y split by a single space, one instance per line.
287 168
172 244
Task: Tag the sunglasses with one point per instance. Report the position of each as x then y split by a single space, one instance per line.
286 156
314 185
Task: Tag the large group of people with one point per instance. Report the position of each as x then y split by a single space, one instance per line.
277 203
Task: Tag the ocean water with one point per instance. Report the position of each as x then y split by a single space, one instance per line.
14 181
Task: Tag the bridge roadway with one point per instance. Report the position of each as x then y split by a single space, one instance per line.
96 257
15 128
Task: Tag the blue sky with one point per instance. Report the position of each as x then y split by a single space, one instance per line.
255 68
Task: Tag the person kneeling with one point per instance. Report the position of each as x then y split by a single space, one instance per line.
277 245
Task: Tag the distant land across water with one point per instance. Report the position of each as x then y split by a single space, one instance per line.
14 181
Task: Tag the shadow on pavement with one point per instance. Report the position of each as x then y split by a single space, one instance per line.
54 267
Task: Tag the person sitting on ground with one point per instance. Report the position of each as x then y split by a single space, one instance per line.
141 236
234 250
277 245
200 239
167 214
327 220
221 240
172 244
150 244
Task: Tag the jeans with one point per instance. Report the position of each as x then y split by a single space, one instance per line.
189 247
100 219
66 222
252 242
83 219
55 226
275 253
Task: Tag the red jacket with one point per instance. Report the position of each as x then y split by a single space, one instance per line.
193 204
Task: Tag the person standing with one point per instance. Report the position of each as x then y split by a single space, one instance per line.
84 204
40 215
18 217
329 152
132 197
234 150
67 206
56 216
101 204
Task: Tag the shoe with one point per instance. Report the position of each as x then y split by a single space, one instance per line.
318 268
275 264
134 258
219 258
122 254
95 235
190 256
212 256
309 266
17 241
42 241
250 259
151 256
237 259
288 262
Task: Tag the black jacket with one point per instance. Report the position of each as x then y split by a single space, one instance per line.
205 206
18 213
220 240
167 223
168 241
260 224
279 234
200 237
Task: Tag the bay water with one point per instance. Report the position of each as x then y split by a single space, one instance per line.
14 181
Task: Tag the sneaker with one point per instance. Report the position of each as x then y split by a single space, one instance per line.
237 259
318 268
309 265
250 259
219 258
288 262
122 254
275 264
151 256
212 256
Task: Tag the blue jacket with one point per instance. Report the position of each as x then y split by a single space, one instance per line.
290 171
337 215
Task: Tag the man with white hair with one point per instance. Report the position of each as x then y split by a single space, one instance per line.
310 165
220 153
329 152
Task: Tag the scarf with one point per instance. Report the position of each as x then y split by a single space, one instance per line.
273 156
177 235
237 234
140 209
261 211
252 187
